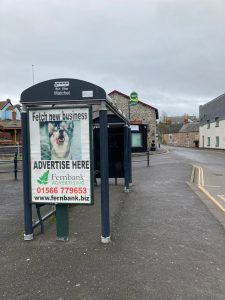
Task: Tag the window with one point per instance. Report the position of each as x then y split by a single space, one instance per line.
208 142
217 141
136 140
208 124
217 121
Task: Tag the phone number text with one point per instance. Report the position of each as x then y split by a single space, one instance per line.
62 190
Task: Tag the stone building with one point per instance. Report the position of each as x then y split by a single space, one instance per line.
186 135
212 123
170 134
189 135
139 114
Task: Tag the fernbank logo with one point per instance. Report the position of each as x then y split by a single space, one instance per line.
44 178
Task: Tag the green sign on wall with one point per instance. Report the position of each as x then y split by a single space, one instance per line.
133 98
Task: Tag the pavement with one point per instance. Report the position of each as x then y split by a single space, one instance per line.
166 243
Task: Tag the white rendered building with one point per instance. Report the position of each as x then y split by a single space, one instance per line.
212 124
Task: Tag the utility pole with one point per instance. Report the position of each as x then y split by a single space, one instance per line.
33 73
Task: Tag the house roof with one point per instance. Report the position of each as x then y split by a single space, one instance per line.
190 127
18 106
173 128
3 103
128 98
181 119
212 109
10 108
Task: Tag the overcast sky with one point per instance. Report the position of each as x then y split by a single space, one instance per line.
172 52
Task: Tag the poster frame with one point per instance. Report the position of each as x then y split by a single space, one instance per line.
36 108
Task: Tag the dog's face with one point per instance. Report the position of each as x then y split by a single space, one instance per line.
60 139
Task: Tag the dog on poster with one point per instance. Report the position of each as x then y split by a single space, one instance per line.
60 137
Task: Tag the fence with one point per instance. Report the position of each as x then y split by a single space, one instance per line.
9 151
11 162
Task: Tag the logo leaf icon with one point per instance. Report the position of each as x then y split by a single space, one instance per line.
44 178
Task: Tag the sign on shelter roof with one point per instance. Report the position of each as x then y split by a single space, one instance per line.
62 89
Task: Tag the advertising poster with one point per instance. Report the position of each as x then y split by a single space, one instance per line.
60 155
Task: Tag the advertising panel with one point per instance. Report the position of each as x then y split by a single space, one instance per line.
61 155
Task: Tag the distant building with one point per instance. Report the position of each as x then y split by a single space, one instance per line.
212 123
8 111
10 125
180 119
186 135
189 135
170 134
142 117
10 132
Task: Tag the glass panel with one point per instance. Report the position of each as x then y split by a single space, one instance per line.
136 140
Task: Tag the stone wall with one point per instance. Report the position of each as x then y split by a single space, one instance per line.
139 114
181 139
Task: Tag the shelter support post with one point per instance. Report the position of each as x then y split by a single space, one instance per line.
104 171
126 160
28 229
130 156
62 222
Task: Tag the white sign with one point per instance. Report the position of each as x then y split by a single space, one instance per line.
60 159
134 127
61 88
87 94
61 84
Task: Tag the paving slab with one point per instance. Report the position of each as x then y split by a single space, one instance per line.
165 245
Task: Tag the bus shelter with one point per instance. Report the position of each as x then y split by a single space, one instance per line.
58 152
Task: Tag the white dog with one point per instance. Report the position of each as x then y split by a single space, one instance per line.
60 134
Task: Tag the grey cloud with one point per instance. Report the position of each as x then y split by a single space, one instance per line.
168 50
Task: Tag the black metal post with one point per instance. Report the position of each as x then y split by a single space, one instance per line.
62 222
15 166
148 158
104 172
126 160
28 235
130 156
129 110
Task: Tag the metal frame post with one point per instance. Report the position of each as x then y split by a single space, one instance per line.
62 222
126 160
104 171
130 156
148 158
15 166
28 235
